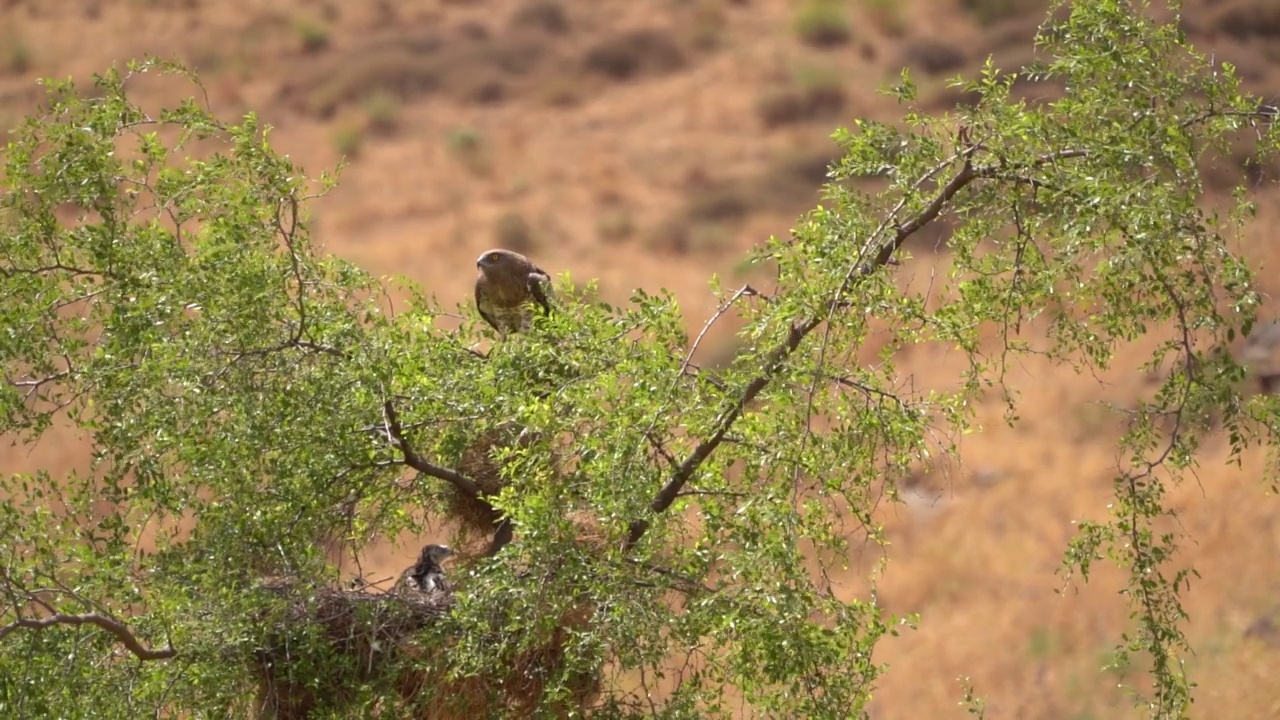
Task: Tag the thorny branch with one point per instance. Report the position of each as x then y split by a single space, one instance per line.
289 235
745 290
298 336
71 271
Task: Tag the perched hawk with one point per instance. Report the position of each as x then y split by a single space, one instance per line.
507 283
426 575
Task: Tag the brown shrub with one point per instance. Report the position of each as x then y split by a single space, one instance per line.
823 23
1239 165
932 55
990 12
790 105
635 53
615 225
396 71
724 202
791 182
1244 20
560 91
472 65
812 94
1261 355
681 236
546 15
512 231
472 30
951 97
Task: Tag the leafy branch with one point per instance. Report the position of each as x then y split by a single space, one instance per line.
775 361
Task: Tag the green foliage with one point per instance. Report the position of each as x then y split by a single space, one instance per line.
252 401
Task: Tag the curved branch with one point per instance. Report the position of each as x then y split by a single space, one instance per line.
112 626
395 431
503 529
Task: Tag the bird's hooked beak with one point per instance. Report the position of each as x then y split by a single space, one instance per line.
482 260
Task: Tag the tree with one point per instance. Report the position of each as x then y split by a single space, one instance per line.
251 401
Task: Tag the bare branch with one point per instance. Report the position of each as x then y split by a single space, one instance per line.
112 626
293 342
38 382
714 493
661 449
503 530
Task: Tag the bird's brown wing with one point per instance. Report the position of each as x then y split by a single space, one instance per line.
405 583
480 303
538 281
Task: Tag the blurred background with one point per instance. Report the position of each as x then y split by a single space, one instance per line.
650 143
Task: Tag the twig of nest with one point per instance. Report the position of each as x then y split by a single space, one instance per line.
368 637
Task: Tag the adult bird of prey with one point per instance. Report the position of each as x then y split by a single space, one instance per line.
506 286
426 575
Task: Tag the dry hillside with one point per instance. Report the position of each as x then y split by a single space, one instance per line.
649 143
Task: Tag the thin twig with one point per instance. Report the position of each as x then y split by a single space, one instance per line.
745 290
